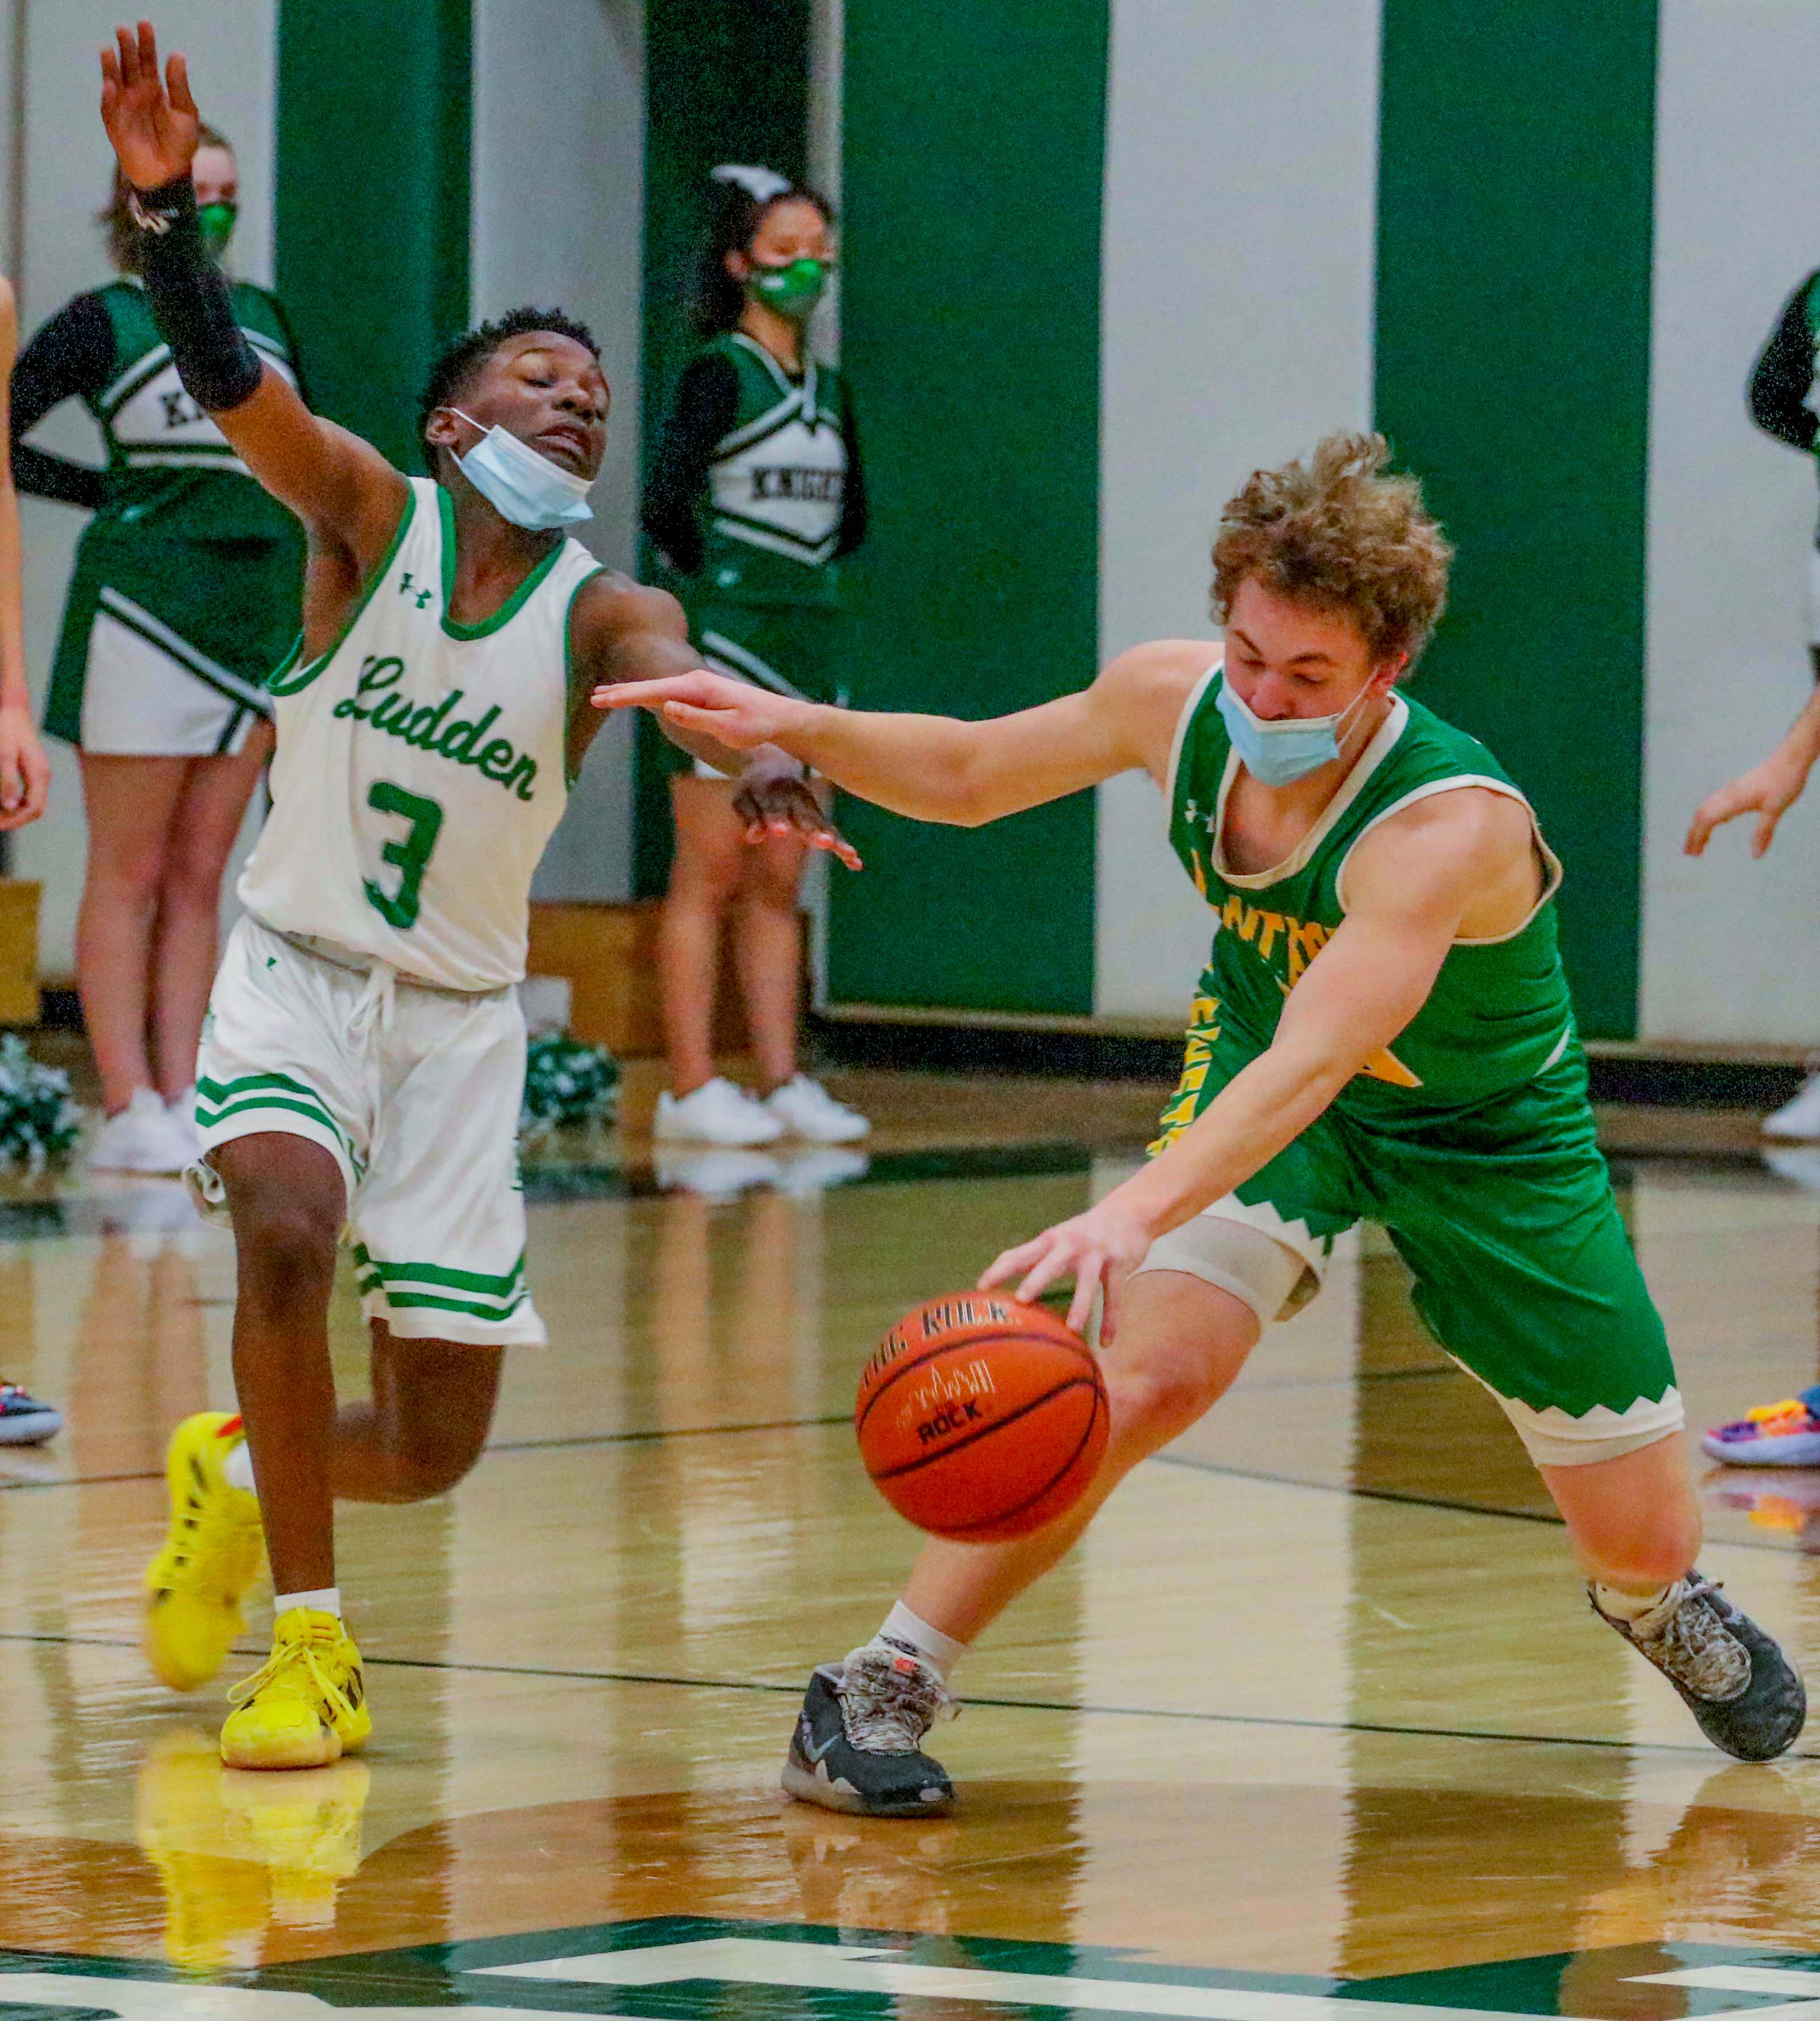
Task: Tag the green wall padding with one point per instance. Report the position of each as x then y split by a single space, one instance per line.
1516 193
973 163
725 81
374 105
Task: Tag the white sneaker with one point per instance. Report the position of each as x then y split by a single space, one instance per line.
1799 1119
143 1138
716 1112
181 1108
806 1109
713 1172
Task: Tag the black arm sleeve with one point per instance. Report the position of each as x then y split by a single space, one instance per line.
70 358
192 303
707 399
1783 375
853 511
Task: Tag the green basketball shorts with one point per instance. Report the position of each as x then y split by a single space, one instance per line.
1504 1215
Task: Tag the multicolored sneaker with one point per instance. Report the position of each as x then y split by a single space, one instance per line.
1784 1434
211 1554
306 1707
24 1420
1747 1696
858 1742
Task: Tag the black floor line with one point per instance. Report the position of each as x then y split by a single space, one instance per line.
758 1685
840 1417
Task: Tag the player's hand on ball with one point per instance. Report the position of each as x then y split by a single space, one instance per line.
734 713
781 806
1099 1250
154 128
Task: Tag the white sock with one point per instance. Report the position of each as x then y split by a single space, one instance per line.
940 1653
1631 1608
324 1599
238 1467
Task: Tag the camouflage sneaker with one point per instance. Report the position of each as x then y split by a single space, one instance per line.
1747 1696
857 1745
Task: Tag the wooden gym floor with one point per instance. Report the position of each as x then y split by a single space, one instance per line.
1318 1709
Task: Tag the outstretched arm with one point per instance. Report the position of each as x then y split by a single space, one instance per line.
347 494
623 633
936 768
24 770
1409 889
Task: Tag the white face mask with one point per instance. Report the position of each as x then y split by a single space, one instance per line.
520 485
1276 754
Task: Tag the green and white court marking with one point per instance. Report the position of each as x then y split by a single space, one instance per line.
683 1966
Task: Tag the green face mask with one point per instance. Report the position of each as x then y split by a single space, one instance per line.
792 290
217 221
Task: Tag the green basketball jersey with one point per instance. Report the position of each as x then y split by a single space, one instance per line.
1499 1012
770 519
172 473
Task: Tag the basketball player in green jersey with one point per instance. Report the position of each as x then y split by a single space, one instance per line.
1383 1032
364 1057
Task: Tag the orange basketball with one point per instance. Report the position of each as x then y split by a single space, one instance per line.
981 1418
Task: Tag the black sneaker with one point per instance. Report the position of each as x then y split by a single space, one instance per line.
1748 1697
858 1737
24 1420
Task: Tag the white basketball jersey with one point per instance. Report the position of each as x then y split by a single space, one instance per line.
419 767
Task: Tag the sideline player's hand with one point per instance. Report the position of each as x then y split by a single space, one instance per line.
24 770
1099 1250
1768 790
154 131
734 713
782 806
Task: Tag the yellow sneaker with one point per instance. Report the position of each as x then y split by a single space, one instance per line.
302 1826
308 1707
217 1900
211 1554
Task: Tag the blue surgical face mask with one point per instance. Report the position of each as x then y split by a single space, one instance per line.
1277 754
521 485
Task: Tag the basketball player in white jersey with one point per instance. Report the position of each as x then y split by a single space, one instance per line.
364 1057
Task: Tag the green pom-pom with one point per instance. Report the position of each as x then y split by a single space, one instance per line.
38 1121
567 1082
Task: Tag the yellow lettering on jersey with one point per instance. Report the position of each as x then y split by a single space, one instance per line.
1271 924
1305 941
1386 1066
1203 1016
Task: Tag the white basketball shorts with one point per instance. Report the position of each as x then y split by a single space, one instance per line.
414 1093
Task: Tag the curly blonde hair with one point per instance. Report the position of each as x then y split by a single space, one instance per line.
1335 533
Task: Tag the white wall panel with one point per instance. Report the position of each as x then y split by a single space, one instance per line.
1241 176
1730 948
559 219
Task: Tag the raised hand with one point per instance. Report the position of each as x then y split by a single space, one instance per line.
153 128
734 713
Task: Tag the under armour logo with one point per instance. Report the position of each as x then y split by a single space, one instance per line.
407 587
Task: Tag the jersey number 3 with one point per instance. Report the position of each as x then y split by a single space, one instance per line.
410 853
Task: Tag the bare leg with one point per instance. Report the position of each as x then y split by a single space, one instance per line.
208 814
132 803
432 1402
709 864
432 1399
1634 1520
1181 1342
287 1202
768 938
